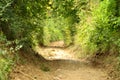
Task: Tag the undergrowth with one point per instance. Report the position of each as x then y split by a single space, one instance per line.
98 32
8 56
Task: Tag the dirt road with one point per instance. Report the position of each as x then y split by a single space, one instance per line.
60 66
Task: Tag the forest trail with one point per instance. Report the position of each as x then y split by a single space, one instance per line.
55 51
57 64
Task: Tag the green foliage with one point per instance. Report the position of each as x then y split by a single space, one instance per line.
102 26
52 29
67 11
103 22
98 33
27 23
20 19
27 20
6 60
5 68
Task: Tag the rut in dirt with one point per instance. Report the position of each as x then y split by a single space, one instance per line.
54 66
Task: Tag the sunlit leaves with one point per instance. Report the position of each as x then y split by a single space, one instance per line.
98 34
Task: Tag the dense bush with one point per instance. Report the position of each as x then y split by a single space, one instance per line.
99 33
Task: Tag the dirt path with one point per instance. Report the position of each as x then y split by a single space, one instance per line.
60 66
52 53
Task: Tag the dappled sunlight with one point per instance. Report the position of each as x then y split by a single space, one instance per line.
59 40
54 51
